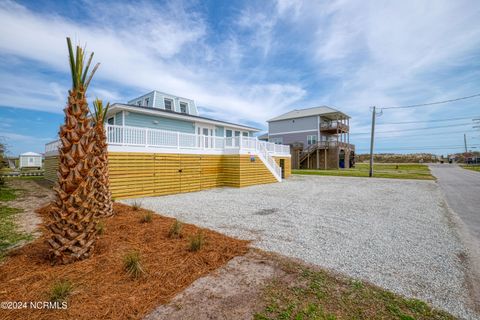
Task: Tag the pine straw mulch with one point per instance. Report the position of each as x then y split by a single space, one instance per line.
101 287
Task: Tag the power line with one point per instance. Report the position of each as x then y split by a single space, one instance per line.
416 129
423 148
421 135
432 103
427 121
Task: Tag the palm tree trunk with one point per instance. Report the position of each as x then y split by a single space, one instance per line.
102 191
73 230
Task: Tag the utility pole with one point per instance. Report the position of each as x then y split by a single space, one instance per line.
465 141
370 174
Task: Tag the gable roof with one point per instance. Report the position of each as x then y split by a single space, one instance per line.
178 115
308 112
31 154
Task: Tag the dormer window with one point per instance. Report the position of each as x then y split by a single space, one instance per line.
146 102
168 104
139 103
183 107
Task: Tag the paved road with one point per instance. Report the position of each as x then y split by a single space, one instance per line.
462 189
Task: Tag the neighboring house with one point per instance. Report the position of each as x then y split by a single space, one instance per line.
158 144
319 137
30 160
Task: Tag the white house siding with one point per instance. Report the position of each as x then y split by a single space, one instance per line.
30 161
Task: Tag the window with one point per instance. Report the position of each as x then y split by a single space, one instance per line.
311 139
139 103
228 133
237 133
146 102
168 104
111 120
183 107
276 140
245 134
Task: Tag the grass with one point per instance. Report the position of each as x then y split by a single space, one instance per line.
7 193
175 231
60 291
308 294
470 167
133 265
9 235
196 242
380 170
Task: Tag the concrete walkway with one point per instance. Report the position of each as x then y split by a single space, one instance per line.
462 190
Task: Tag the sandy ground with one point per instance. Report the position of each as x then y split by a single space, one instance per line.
231 292
31 195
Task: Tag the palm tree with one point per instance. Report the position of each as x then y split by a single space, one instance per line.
102 189
72 228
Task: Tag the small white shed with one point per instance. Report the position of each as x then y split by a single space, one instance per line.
30 160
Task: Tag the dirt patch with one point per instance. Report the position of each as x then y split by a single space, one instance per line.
31 194
230 292
101 288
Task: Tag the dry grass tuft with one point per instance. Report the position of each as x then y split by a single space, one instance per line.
60 291
147 217
197 241
136 205
100 227
175 230
133 265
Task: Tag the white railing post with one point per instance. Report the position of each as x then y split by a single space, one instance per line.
146 137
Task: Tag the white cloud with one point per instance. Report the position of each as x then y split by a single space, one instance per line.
145 63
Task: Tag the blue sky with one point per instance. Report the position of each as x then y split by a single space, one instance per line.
248 61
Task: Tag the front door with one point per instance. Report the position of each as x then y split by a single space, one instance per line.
205 136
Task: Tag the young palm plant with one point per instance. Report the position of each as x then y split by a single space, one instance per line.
72 228
102 188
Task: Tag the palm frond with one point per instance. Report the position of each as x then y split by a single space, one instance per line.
91 76
78 68
100 110
87 67
72 60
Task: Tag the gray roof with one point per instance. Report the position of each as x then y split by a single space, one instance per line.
315 111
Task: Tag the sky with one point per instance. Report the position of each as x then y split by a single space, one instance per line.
248 61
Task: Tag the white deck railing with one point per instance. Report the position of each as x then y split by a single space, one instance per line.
52 146
154 138
135 136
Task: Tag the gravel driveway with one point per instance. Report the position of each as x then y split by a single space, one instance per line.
397 234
